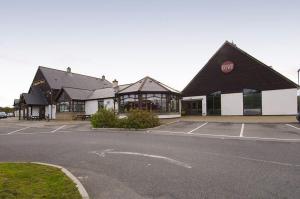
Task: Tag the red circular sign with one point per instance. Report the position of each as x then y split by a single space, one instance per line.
227 66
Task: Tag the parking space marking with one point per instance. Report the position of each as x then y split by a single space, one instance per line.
242 130
18 130
58 129
293 126
190 132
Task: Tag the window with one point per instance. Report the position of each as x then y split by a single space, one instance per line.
252 102
64 107
214 103
100 104
78 106
155 102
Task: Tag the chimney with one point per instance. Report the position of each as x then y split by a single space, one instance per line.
115 83
68 70
103 77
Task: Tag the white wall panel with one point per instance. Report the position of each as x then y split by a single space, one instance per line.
232 104
279 102
91 107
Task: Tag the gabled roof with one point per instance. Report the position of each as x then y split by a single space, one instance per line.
77 93
35 97
147 84
16 102
248 73
102 94
58 79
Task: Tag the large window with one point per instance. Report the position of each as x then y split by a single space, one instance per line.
78 106
73 106
214 103
174 103
155 102
100 104
252 102
64 107
128 102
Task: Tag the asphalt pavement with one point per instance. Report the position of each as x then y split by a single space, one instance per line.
178 160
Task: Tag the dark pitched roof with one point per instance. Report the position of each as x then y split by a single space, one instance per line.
35 97
147 84
77 93
102 94
58 79
16 102
248 72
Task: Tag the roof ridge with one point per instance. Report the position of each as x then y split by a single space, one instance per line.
130 85
143 83
79 88
263 64
163 85
226 42
73 73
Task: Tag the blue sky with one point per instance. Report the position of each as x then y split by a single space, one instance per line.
129 39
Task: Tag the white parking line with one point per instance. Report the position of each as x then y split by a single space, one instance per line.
293 126
58 128
190 132
242 130
18 130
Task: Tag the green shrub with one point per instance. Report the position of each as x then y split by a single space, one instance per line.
104 118
136 119
141 119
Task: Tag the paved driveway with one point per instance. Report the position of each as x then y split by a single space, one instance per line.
179 160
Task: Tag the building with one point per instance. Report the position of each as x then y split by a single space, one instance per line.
57 94
149 94
234 83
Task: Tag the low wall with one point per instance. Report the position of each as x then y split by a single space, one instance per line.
68 115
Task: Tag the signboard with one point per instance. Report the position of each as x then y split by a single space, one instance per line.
227 66
38 82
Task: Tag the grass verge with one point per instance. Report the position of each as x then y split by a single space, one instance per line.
34 181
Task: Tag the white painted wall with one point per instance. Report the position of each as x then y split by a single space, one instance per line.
203 98
91 106
35 111
232 104
48 111
279 102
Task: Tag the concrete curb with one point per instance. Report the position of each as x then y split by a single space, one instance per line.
119 129
78 184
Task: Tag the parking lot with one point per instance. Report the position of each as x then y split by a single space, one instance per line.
182 159
232 130
267 131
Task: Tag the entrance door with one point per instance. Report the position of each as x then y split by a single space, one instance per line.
42 112
213 103
193 107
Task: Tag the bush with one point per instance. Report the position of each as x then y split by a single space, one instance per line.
104 118
136 119
141 119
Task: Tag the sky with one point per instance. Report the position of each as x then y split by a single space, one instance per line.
126 40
